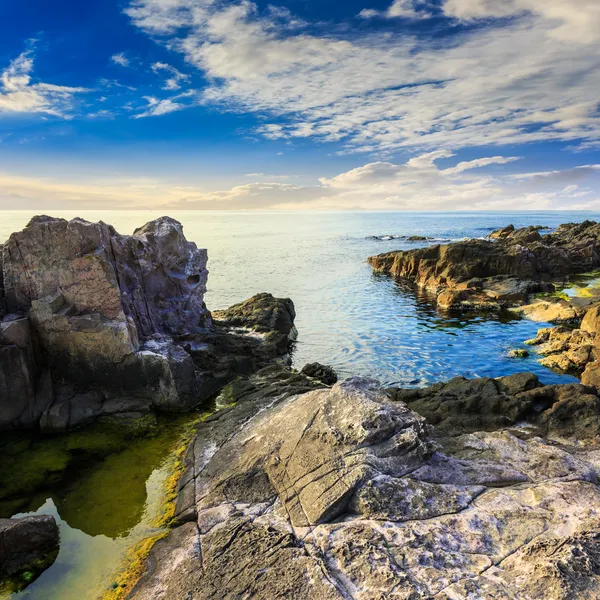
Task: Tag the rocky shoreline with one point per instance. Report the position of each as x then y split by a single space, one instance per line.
299 486
500 272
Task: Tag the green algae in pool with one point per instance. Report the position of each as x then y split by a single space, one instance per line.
106 485
585 286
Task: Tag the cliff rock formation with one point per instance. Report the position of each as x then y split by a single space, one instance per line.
94 321
346 492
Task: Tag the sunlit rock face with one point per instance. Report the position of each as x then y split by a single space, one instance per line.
493 275
90 315
152 282
349 492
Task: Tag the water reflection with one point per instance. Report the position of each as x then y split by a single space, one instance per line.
105 489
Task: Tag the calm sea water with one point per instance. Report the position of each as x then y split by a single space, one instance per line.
347 317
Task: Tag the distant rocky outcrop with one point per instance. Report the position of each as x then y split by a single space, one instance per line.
498 273
348 492
95 323
406 238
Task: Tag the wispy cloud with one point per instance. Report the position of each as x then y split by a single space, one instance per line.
501 81
418 184
120 59
18 94
174 77
157 107
407 9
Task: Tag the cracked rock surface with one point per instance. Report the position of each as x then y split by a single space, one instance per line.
305 491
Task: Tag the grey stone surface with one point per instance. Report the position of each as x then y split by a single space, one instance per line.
26 543
345 493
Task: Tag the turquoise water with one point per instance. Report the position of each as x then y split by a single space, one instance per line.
347 317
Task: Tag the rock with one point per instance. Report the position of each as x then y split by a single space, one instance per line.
467 405
262 313
552 310
501 233
409 238
471 404
518 353
591 321
323 373
28 546
572 350
119 316
518 263
154 277
342 493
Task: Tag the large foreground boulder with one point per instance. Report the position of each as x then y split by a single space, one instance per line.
94 319
498 273
345 493
27 547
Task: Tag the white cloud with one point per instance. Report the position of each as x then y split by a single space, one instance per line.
418 184
120 59
174 77
505 82
157 107
408 9
572 20
480 162
19 95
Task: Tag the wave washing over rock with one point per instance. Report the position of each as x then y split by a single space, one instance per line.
300 486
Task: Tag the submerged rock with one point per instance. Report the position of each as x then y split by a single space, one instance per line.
94 316
27 546
492 275
346 493
518 353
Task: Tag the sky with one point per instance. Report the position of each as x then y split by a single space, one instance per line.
300 104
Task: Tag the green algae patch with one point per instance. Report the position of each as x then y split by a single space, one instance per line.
112 488
585 286
136 565
33 465
558 295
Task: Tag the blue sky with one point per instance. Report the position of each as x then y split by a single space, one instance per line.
375 105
